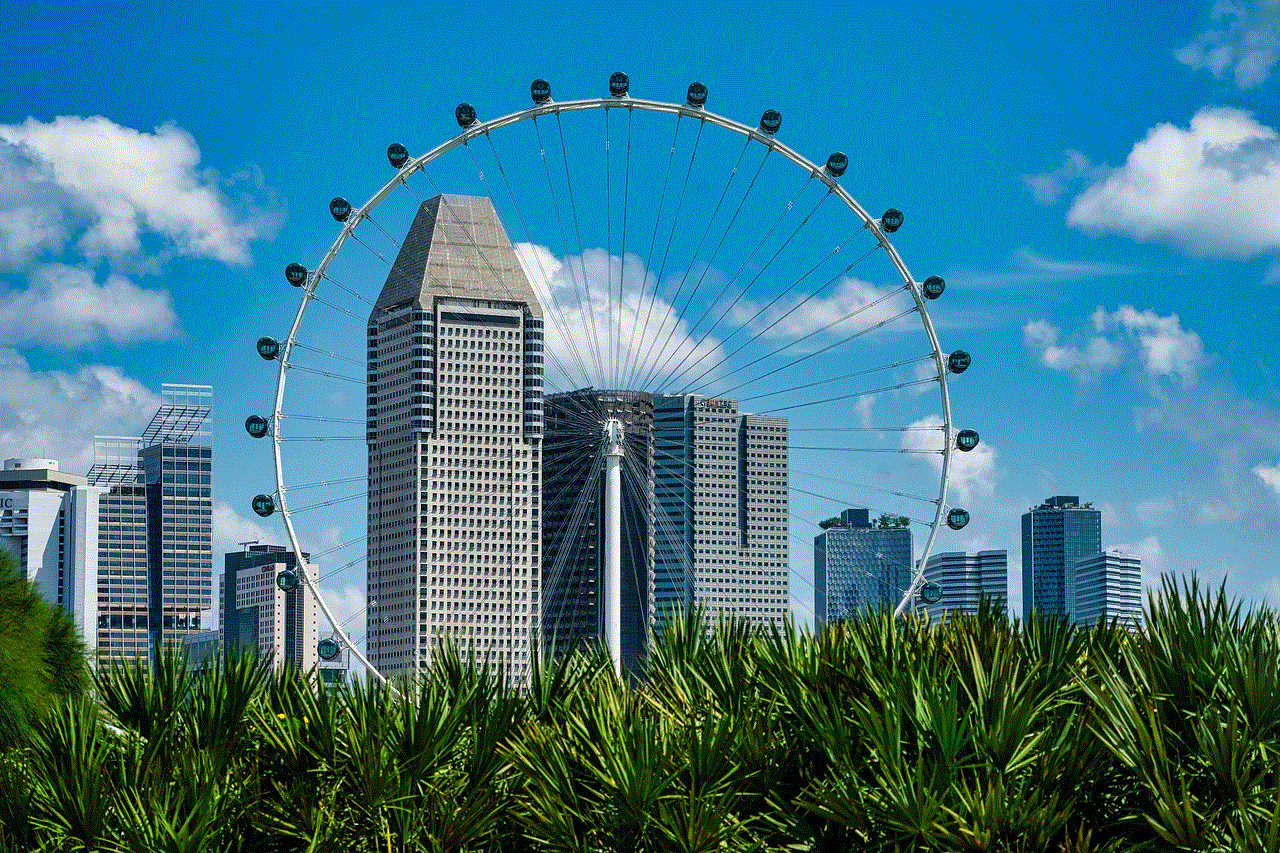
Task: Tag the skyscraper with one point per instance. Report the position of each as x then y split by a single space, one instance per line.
49 525
155 526
573 485
1108 586
1055 535
966 578
257 613
455 443
721 522
858 564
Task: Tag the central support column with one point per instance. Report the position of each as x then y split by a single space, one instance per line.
613 541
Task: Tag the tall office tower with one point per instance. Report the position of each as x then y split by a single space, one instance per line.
257 613
1108 586
966 578
721 525
1054 536
858 564
155 526
573 484
455 443
49 525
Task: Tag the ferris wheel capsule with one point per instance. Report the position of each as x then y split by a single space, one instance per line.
930 593
328 648
264 505
540 90
891 221
933 286
697 96
465 114
966 440
296 274
397 154
256 426
958 361
340 209
771 121
619 85
268 348
957 518
287 580
837 163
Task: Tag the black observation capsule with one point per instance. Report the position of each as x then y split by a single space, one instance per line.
256 426
340 209
966 439
837 163
296 274
619 85
540 90
771 121
697 95
268 347
328 648
892 220
957 518
397 154
958 361
930 593
264 505
933 287
287 580
466 115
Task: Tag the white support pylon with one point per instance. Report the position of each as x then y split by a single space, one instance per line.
613 541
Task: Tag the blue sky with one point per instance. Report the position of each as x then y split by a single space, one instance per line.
1097 182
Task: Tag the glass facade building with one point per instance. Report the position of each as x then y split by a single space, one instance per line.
1108 586
858 564
1055 536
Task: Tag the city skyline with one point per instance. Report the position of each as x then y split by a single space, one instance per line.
1121 342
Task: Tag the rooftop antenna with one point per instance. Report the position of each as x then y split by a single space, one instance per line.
245 545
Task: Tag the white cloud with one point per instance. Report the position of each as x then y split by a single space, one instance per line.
65 307
1270 476
589 345
230 529
115 183
1155 561
57 414
1035 268
852 306
1245 42
1158 343
1207 190
973 474
1048 187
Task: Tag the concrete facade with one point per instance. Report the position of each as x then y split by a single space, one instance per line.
858 565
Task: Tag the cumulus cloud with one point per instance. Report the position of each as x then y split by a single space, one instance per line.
1158 343
1270 476
1048 187
112 184
230 528
1155 561
601 341
852 306
65 307
57 414
1245 41
1207 190
972 476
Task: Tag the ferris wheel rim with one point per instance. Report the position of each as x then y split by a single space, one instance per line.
484 128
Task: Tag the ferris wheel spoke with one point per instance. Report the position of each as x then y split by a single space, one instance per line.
343 311
831 380
827 478
851 396
325 373
328 503
384 231
375 252
327 353
346 289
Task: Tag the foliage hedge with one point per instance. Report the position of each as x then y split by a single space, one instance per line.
977 734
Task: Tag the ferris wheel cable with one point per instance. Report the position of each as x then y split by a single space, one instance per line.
322 483
708 264
297 417
622 269
559 313
333 355
555 205
333 502
648 261
384 231
908 384
405 184
937 428
329 575
376 253
325 373
340 286
361 320
322 438
838 501
792 469
577 230
816 332
841 378
833 449
579 513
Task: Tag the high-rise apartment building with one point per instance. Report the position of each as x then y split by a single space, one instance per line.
49 525
1055 535
721 521
859 564
573 485
966 578
455 443
256 612
155 526
1108 586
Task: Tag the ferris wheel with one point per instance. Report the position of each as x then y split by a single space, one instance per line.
690 269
